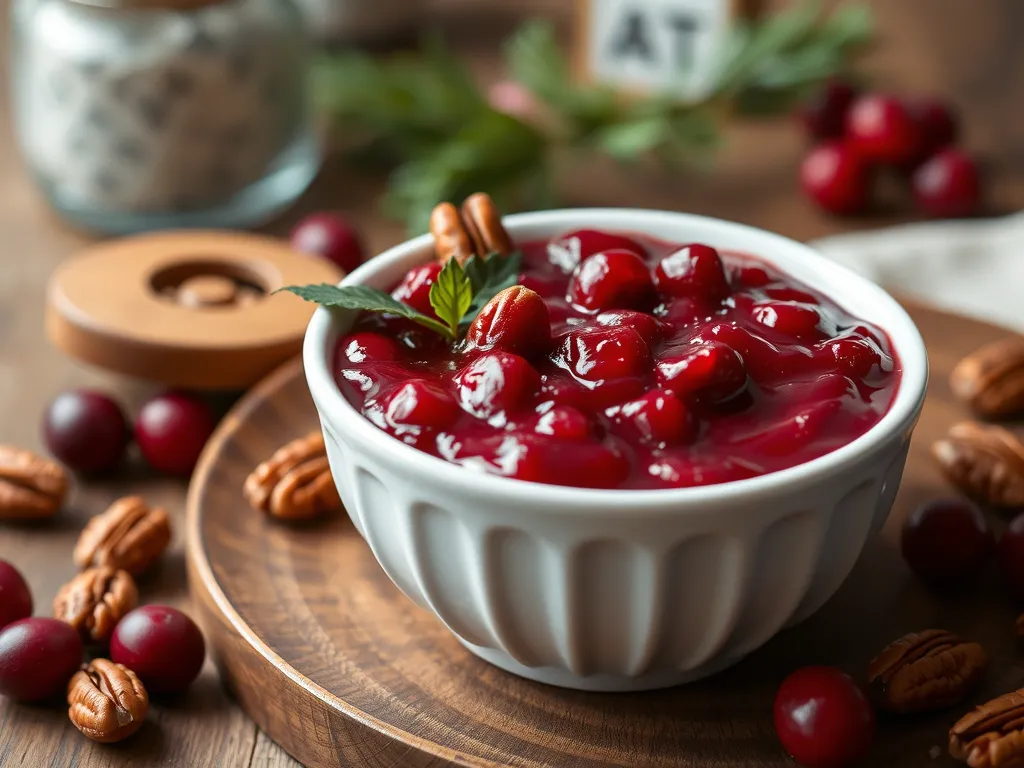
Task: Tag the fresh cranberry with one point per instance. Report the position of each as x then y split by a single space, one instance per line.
495 383
367 347
420 403
789 293
414 289
824 115
563 422
792 320
602 354
882 130
752 277
946 186
161 645
86 430
796 428
836 178
648 326
946 542
823 718
329 235
855 356
677 472
15 597
171 430
710 371
567 251
1011 555
37 658
658 416
516 320
938 124
611 280
695 271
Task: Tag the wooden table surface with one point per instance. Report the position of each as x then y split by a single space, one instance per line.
967 52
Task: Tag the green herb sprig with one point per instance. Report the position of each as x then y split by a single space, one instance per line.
457 295
424 117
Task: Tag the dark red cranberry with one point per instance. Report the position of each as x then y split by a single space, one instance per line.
564 423
946 542
648 326
516 321
414 289
823 718
882 130
789 293
1011 555
367 347
938 124
855 356
946 186
15 597
601 354
171 430
695 271
657 416
329 235
496 383
824 115
710 371
161 645
86 430
792 320
567 251
420 403
611 280
37 658
678 472
836 178
752 277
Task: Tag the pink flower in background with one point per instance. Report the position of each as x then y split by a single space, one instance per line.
513 99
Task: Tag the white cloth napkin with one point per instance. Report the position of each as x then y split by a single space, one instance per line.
975 268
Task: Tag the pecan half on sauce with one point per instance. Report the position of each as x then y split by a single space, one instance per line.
95 600
476 228
31 487
984 461
991 380
295 483
129 535
106 701
992 735
925 670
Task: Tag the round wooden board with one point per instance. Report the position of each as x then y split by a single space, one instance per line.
339 668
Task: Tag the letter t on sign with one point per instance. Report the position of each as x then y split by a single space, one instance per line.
648 46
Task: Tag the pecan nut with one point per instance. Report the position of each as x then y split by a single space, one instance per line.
31 487
295 483
991 380
129 536
476 228
984 461
95 600
106 701
992 735
925 670
451 238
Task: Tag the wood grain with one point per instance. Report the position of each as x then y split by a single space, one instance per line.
966 52
304 621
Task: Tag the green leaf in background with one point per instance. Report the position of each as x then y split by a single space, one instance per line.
361 297
451 295
490 276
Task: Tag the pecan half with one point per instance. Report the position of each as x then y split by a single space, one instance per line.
295 483
106 701
451 238
992 735
925 670
484 225
31 487
984 461
95 600
129 536
991 380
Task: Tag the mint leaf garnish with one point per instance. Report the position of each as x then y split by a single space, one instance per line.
364 298
451 295
490 276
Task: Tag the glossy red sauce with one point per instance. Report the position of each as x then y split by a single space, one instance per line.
666 366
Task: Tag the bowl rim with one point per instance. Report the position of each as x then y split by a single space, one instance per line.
338 414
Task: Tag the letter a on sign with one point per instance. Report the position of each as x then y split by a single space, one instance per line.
655 45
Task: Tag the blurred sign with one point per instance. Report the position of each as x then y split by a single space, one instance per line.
655 45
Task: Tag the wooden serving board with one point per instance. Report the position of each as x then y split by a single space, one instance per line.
340 669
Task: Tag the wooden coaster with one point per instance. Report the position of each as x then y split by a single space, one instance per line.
187 309
340 669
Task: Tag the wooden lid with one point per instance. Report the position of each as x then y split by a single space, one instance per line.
187 309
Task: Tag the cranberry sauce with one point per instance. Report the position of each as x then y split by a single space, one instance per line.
665 365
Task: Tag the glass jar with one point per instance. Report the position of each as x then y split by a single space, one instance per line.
152 114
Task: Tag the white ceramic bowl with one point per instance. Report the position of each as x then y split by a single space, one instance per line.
619 590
